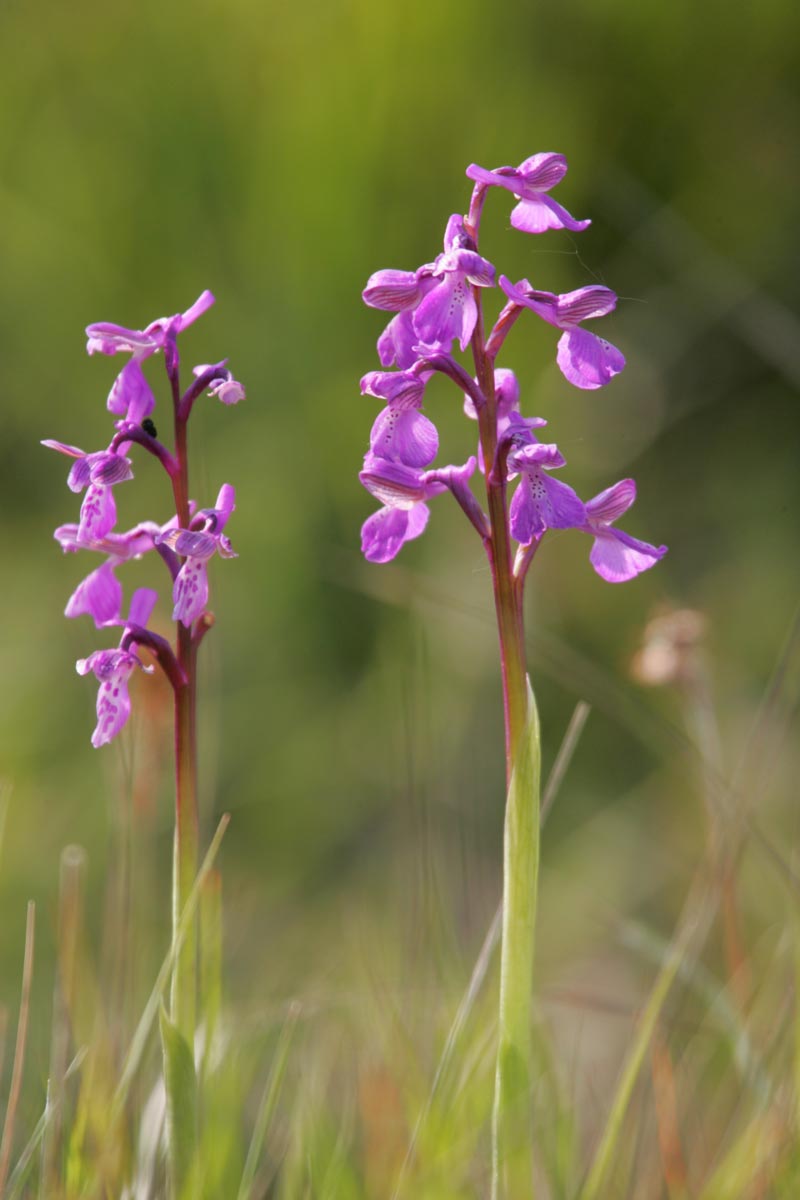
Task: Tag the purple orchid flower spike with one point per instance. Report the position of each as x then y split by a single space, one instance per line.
403 492
541 503
225 388
197 545
586 360
113 669
449 310
400 431
106 338
98 473
615 555
530 182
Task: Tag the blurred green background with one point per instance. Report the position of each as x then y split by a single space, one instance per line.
278 154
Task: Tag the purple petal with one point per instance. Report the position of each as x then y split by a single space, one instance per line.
143 601
98 513
536 214
99 596
107 338
544 304
541 503
386 531
63 448
131 395
447 312
536 455
394 484
505 177
108 469
392 290
612 503
202 304
541 172
478 270
586 360
586 303
225 505
190 592
403 389
396 343
617 557
194 543
79 475
405 436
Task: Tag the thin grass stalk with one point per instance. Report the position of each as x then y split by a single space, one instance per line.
693 926
70 917
268 1104
19 1051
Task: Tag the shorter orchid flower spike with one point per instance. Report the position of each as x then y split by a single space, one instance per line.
541 503
586 360
113 669
197 545
449 310
615 555
400 432
530 182
225 388
97 473
106 338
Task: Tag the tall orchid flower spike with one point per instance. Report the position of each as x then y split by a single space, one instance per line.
197 545
615 555
530 182
400 431
98 473
541 503
403 492
449 310
113 669
106 338
586 360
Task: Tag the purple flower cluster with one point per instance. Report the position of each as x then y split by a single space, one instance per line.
185 542
439 304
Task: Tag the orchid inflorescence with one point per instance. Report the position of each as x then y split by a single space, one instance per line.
438 304
185 542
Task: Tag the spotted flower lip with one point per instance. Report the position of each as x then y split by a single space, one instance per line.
586 360
113 669
400 431
615 555
106 338
197 545
541 503
530 182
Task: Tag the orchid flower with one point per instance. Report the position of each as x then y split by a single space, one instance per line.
113 669
586 360
615 555
530 182
197 545
98 473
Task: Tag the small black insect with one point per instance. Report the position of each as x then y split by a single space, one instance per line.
149 427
